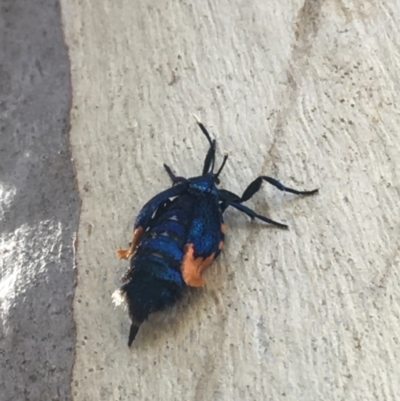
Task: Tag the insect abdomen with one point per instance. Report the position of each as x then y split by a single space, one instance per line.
154 280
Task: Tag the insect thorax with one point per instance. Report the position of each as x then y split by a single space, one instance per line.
203 184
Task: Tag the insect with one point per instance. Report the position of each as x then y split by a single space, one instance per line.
177 234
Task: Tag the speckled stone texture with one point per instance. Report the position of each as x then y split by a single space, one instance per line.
38 205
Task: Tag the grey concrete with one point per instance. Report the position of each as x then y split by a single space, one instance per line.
38 205
305 91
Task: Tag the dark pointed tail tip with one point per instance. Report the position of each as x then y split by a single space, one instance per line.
132 333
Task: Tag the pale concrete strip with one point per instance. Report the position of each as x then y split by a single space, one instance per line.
305 92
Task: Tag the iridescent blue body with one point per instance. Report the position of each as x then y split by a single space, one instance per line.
177 234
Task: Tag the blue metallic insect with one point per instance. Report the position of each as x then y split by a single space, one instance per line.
177 234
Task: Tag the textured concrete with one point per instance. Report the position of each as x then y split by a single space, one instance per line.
38 205
304 91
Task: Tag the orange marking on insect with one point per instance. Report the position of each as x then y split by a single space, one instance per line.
126 253
192 267
223 228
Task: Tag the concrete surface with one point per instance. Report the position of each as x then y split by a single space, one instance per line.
38 205
303 91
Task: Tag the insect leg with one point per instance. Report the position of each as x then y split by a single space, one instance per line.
174 178
252 214
225 195
256 185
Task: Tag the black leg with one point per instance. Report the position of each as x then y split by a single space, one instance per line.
252 214
225 195
175 179
256 185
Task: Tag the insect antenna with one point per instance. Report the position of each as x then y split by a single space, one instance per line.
203 128
221 167
209 161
